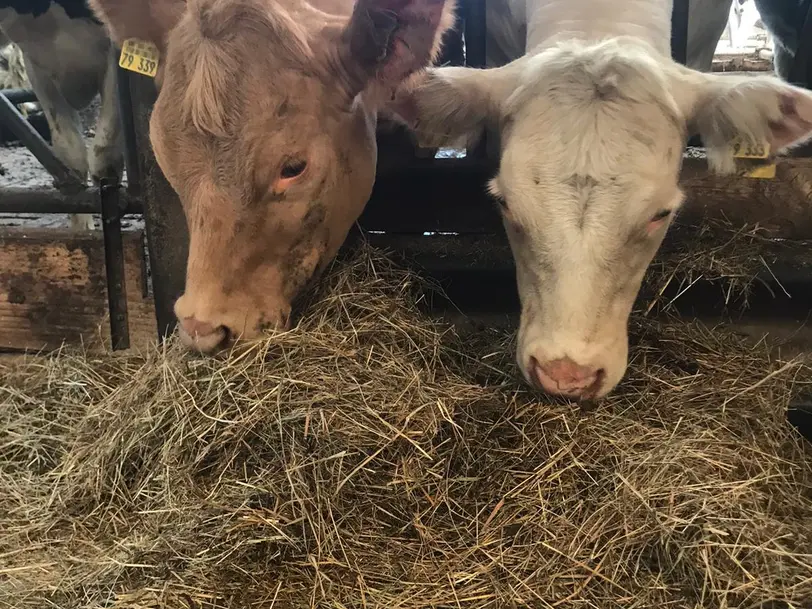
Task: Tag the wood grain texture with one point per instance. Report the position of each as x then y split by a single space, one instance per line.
53 290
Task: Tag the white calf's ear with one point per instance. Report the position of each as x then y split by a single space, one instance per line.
757 109
445 105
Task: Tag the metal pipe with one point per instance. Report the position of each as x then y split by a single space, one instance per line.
19 96
51 201
125 106
111 207
167 233
11 118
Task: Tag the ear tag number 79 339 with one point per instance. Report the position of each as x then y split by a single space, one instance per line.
139 56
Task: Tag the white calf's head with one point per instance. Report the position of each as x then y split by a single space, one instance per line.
592 138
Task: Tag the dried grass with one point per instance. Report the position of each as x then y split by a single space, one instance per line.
733 256
371 458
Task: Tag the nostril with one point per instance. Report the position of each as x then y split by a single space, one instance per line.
202 336
598 379
536 372
197 329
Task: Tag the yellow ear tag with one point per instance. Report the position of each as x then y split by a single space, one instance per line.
763 172
749 151
139 56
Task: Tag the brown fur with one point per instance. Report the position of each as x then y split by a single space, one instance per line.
247 88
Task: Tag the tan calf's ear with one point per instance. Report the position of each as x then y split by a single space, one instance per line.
388 40
148 20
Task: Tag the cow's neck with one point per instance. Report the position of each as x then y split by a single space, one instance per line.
551 21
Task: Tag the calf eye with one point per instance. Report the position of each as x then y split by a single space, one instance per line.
291 169
661 215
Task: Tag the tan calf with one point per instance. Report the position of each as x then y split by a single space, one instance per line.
265 127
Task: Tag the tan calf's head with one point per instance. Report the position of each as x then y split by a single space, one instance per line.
592 137
265 127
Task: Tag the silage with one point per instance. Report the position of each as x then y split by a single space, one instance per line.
359 461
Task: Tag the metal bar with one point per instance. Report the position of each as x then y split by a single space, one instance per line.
799 74
679 30
476 34
125 105
452 198
491 253
453 52
51 201
19 96
167 234
11 118
111 207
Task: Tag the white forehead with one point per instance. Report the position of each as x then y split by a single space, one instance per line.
605 112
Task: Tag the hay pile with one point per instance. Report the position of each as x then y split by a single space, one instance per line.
357 462
733 256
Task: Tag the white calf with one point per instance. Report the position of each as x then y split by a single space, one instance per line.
67 60
593 117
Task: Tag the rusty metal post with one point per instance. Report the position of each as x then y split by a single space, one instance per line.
167 234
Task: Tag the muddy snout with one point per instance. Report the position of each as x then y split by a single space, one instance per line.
207 332
202 336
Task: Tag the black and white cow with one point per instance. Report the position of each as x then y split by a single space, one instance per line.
67 60
708 19
784 19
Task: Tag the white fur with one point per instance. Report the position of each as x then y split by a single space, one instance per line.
68 63
593 122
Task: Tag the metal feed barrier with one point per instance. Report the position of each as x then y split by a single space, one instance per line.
418 196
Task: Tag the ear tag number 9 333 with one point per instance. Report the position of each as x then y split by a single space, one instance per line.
139 56
754 156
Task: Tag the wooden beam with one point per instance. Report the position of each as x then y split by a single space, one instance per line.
53 281
742 63
53 289
782 205
451 197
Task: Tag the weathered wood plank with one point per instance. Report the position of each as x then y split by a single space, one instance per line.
53 289
782 205
742 63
